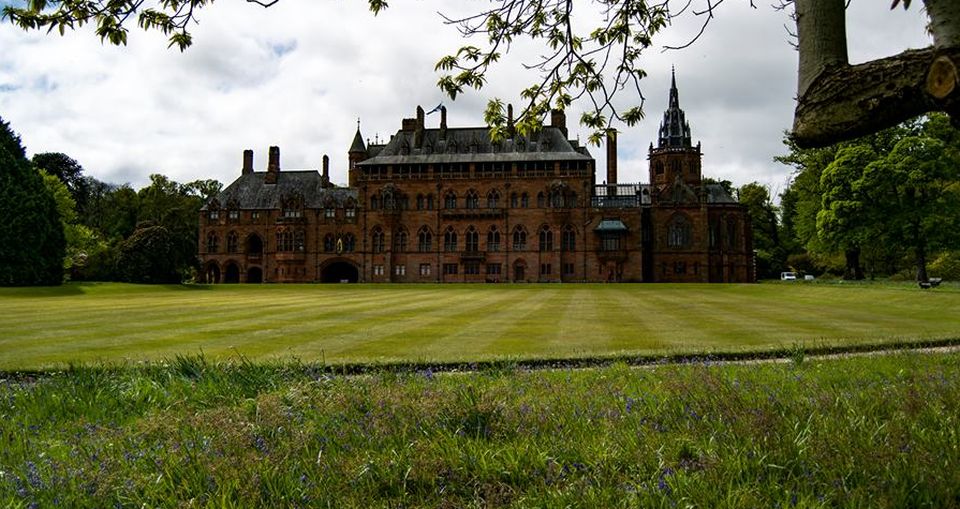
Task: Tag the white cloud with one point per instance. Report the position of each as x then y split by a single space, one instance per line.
299 74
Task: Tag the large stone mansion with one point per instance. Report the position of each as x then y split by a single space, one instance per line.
448 204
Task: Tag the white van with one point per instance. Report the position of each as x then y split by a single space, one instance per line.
788 276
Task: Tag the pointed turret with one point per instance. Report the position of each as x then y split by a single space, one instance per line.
674 129
356 154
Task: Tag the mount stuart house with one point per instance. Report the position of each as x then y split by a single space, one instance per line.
448 204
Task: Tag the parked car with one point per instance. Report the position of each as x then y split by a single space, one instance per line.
788 276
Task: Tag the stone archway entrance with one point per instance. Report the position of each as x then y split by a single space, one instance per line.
519 271
255 275
231 273
339 272
211 273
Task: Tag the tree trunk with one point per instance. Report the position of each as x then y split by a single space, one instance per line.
837 101
853 270
920 250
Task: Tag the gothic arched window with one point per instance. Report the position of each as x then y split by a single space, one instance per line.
493 199
400 241
473 201
376 239
450 200
472 240
568 239
450 239
493 239
546 238
679 232
213 242
233 242
424 240
519 238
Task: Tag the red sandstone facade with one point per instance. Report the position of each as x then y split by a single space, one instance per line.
449 205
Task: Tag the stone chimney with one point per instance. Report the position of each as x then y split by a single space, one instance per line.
510 129
443 122
611 158
247 162
325 178
558 119
418 132
273 166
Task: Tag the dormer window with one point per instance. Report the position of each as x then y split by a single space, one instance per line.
214 215
234 215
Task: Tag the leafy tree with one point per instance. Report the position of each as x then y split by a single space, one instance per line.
836 100
915 195
69 172
763 214
32 242
81 240
844 220
150 255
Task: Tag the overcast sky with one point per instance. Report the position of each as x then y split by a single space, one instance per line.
299 74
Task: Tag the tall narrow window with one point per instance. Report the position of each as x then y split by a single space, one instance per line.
519 238
349 243
450 239
400 241
493 239
568 239
546 238
233 242
540 200
420 202
450 200
524 200
678 233
473 201
429 202
472 240
299 241
329 243
376 239
514 200
424 240
213 242
493 199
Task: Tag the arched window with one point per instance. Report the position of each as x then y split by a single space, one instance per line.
329 243
424 240
571 200
254 245
471 240
540 200
420 202
524 201
233 242
450 239
556 198
493 239
731 237
429 202
493 199
400 241
473 201
519 238
450 200
213 242
376 240
349 243
678 233
374 202
546 238
568 238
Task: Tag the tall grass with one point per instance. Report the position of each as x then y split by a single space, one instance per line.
860 432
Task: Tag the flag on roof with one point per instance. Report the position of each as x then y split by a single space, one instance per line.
435 109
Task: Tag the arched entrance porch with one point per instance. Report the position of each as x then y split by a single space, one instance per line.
211 273
255 275
231 273
339 271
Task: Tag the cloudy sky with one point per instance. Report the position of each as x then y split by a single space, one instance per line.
301 73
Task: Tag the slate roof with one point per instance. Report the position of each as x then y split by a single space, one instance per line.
472 144
251 192
611 225
717 194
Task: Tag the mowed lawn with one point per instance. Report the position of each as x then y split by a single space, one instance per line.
82 323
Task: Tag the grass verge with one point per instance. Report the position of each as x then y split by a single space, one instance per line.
855 432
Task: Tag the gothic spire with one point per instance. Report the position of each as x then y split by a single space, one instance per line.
358 145
674 129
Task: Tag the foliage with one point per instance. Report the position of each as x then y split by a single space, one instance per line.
451 322
150 255
771 257
80 240
32 241
861 432
69 171
947 266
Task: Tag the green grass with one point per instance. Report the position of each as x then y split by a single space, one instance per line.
83 323
858 432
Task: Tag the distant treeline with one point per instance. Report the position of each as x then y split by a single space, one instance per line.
61 224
